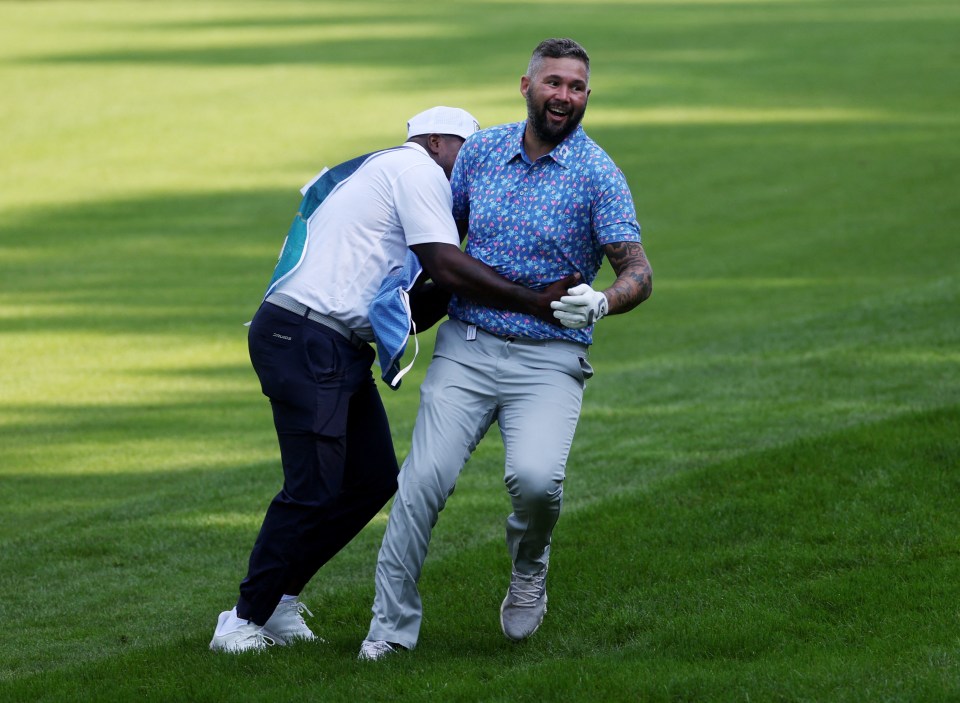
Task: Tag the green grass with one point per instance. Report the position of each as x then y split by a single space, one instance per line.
762 501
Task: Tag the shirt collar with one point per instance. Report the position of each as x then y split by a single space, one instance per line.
415 147
561 154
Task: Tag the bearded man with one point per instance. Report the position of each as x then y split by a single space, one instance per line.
538 200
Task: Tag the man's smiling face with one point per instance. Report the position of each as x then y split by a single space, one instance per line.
556 98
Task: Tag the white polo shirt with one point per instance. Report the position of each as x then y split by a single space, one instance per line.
362 230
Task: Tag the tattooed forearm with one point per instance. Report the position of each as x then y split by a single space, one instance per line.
634 282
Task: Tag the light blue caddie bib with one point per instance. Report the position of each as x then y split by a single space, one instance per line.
392 320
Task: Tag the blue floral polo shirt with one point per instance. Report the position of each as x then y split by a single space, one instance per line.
535 223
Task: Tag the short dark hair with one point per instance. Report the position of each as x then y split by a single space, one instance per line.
557 49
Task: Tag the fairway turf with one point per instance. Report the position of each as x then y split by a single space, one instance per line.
762 499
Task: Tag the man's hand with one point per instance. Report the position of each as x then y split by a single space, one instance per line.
472 279
549 296
581 307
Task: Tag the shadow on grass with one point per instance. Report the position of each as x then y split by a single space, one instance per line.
143 265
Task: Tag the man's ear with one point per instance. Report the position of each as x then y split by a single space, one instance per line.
433 143
524 85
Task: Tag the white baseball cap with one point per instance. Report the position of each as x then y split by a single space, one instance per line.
442 120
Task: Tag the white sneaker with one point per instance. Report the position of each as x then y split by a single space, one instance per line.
523 609
287 624
246 638
375 650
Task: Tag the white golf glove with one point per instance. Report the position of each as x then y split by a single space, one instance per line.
580 308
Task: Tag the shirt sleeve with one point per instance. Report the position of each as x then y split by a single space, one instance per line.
614 214
424 205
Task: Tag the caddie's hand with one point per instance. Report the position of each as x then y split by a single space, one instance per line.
581 307
552 294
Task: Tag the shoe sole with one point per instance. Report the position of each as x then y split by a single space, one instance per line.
214 647
365 658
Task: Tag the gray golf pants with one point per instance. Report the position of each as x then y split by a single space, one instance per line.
533 390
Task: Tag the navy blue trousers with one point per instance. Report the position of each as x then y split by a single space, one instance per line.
339 465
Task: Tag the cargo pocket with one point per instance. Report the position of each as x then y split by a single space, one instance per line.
331 398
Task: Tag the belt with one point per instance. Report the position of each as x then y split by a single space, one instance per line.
530 341
288 303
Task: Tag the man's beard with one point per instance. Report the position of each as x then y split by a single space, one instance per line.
544 130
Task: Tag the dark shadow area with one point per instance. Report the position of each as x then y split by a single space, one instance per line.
147 265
